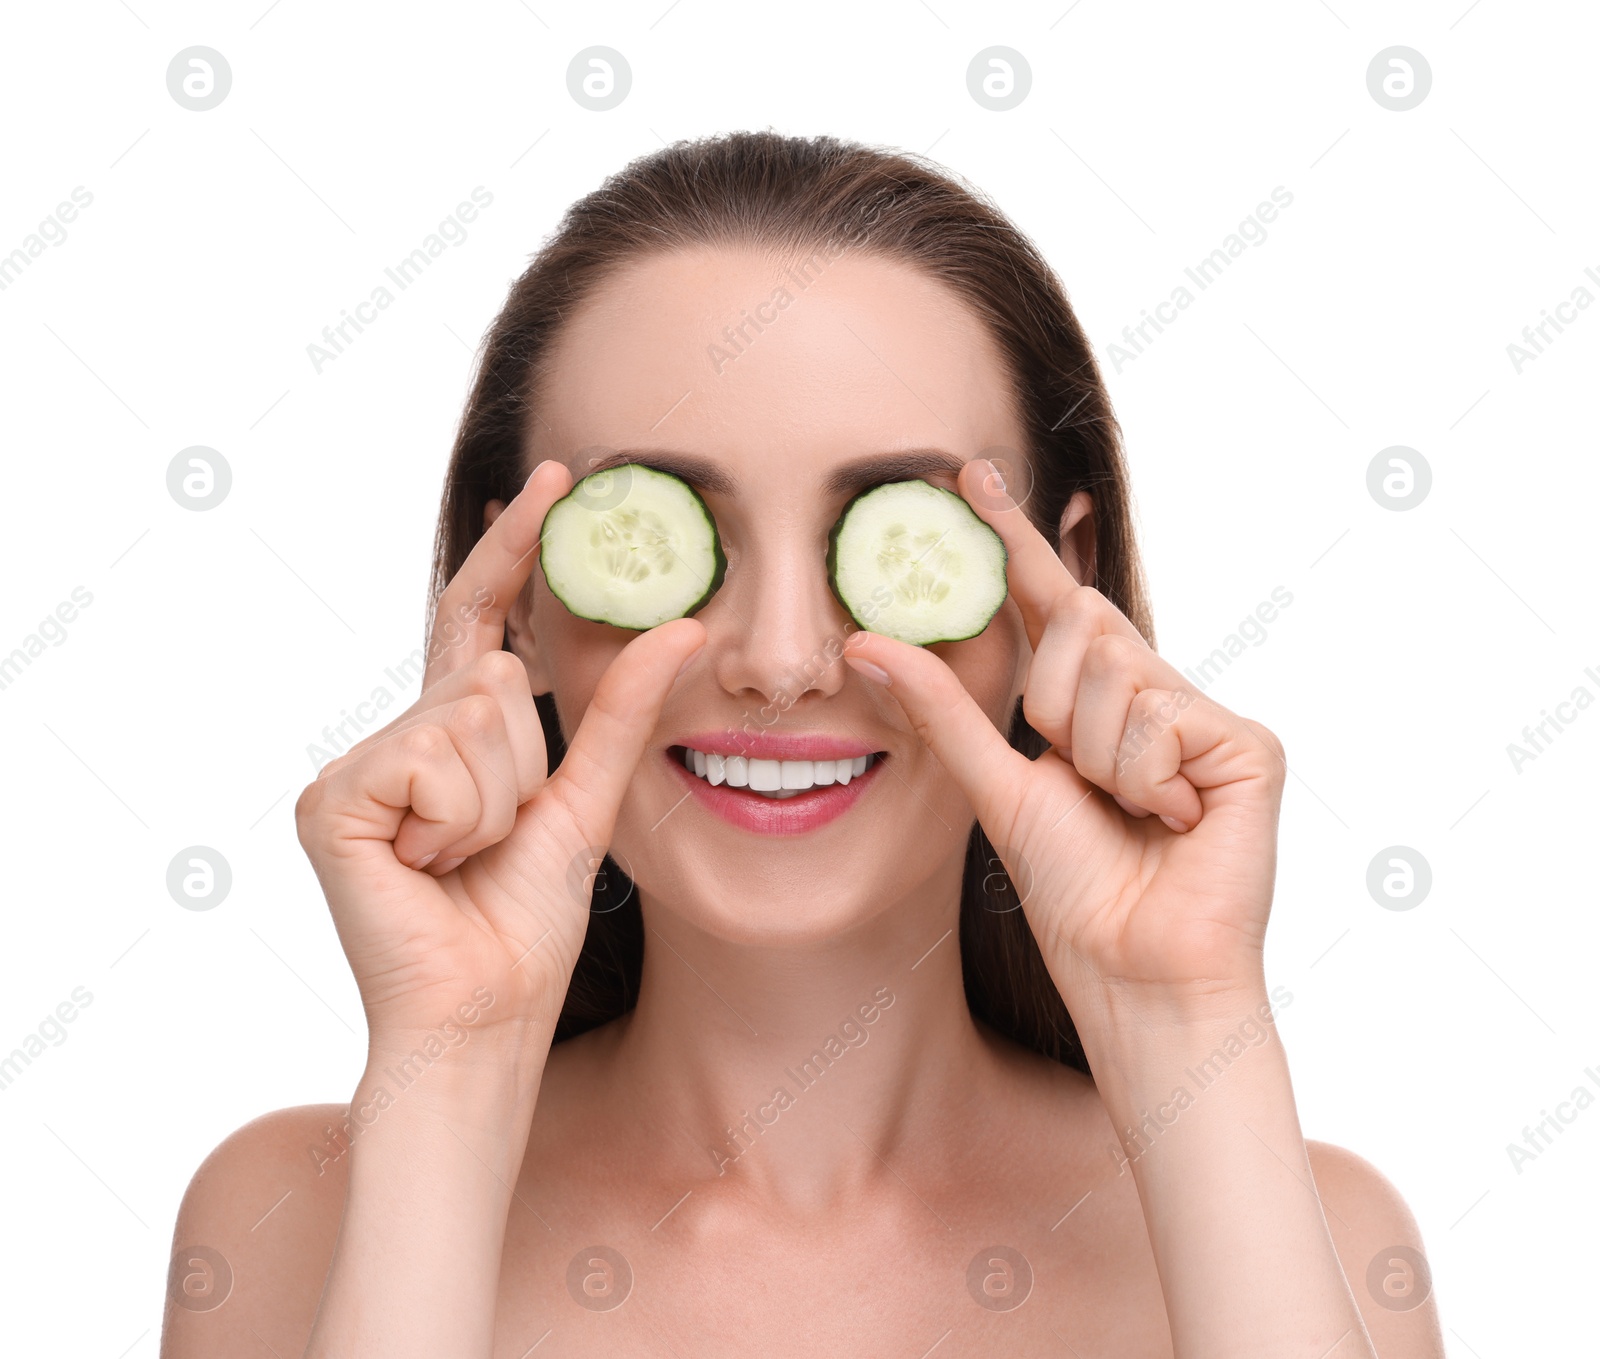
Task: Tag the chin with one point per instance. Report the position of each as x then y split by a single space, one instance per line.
770 913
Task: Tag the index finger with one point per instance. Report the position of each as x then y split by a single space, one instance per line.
470 619
1036 577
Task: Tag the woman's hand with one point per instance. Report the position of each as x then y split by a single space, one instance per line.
450 860
1143 842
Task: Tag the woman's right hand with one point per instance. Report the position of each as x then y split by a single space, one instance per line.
448 857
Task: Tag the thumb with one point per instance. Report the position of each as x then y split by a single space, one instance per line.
606 749
976 754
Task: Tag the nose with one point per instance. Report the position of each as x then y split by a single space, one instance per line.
775 631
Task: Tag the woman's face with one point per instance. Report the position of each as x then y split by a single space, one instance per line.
774 426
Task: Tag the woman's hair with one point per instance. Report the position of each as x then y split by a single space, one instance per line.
819 196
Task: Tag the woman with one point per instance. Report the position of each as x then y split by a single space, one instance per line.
973 1055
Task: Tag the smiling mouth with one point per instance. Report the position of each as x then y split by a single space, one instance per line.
774 780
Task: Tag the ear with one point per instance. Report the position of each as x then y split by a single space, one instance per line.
519 621
1077 537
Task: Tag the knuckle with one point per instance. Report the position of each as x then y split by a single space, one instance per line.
1151 708
1083 603
1101 655
308 805
496 670
425 743
475 717
314 819
1269 739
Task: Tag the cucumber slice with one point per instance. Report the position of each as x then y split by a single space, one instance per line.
632 547
912 561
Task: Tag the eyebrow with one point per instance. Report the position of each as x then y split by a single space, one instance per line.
902 465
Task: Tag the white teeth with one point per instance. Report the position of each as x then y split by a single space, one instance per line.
775 778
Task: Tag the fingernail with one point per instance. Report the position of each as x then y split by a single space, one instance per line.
689 660
448 864
1172 823
425 860
535 472
876 673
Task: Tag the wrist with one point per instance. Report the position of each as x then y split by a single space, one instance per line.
414 1097
473 1075
1189 1104
469 1038
1145 1044
1144 1009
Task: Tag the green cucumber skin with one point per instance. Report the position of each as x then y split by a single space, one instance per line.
720 561
719 568
833 560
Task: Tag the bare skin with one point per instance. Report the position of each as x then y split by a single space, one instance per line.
849 1222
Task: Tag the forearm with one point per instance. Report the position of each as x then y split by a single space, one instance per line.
1201 1100
417 1263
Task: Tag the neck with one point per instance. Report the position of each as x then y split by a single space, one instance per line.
800 1069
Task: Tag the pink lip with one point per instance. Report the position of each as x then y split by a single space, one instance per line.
767 816
771 745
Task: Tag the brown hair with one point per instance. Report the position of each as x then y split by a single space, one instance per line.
773 191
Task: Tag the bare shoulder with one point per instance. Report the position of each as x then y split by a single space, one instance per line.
1380 1247
254 1236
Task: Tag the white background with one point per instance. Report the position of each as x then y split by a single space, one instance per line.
218 645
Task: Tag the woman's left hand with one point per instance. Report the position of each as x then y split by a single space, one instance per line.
1144 841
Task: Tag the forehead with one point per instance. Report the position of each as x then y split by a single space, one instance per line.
774 363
